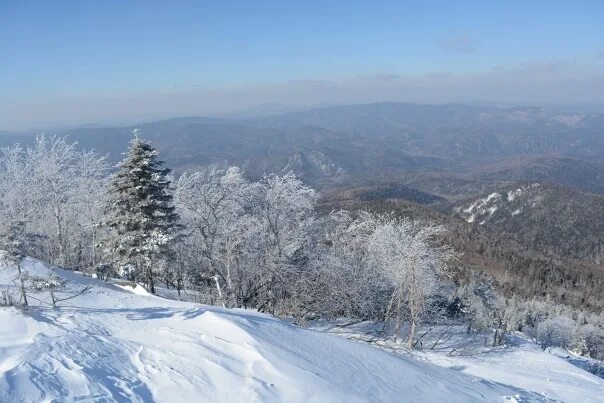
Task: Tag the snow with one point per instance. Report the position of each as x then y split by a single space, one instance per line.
535 375
528 368
482 202
136 289
481 207
569 120
513 194
485 208
114 344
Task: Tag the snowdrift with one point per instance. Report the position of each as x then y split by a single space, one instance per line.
112 344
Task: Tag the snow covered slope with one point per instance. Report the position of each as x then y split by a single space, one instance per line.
501 205
538 376
544 218
528 368
115 345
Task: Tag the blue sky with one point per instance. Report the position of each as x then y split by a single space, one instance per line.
65 51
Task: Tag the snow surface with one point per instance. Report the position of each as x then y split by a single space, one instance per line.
536 375
118 344
528 368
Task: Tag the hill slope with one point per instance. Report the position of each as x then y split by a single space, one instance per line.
118 344
115 345
543 217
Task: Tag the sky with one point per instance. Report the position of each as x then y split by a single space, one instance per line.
75 62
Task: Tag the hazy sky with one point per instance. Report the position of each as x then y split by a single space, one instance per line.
70 62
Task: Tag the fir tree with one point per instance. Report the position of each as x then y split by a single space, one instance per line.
141 212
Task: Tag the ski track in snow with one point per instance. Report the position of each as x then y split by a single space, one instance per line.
114 345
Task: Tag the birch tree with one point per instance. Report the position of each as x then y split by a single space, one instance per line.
285 212
211 204
55 190
413 261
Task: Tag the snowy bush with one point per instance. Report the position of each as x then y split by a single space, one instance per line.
592 345
7 298
483 307
559 331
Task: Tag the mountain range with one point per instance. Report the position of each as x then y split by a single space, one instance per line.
368 142
520 187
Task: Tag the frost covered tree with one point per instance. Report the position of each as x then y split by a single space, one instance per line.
211 204
592 345
13 242
559 331
56 191
343 280
18 196
483 307
141 213
413 263
245 237
285 212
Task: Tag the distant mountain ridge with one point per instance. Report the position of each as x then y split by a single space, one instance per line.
340 144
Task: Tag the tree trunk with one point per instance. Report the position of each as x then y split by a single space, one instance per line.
219 290
411 334
23 293
150 282
52 298
179 282
397 330
60 234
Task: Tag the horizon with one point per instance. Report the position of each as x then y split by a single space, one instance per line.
259 112
66 64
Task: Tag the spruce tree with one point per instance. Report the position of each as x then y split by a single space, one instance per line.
141 212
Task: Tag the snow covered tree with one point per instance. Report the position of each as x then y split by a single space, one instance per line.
339 280
56 191
559 331
592 345
413 262
244 237
141 213
285 211
52 284
13 241
483 307
211 203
